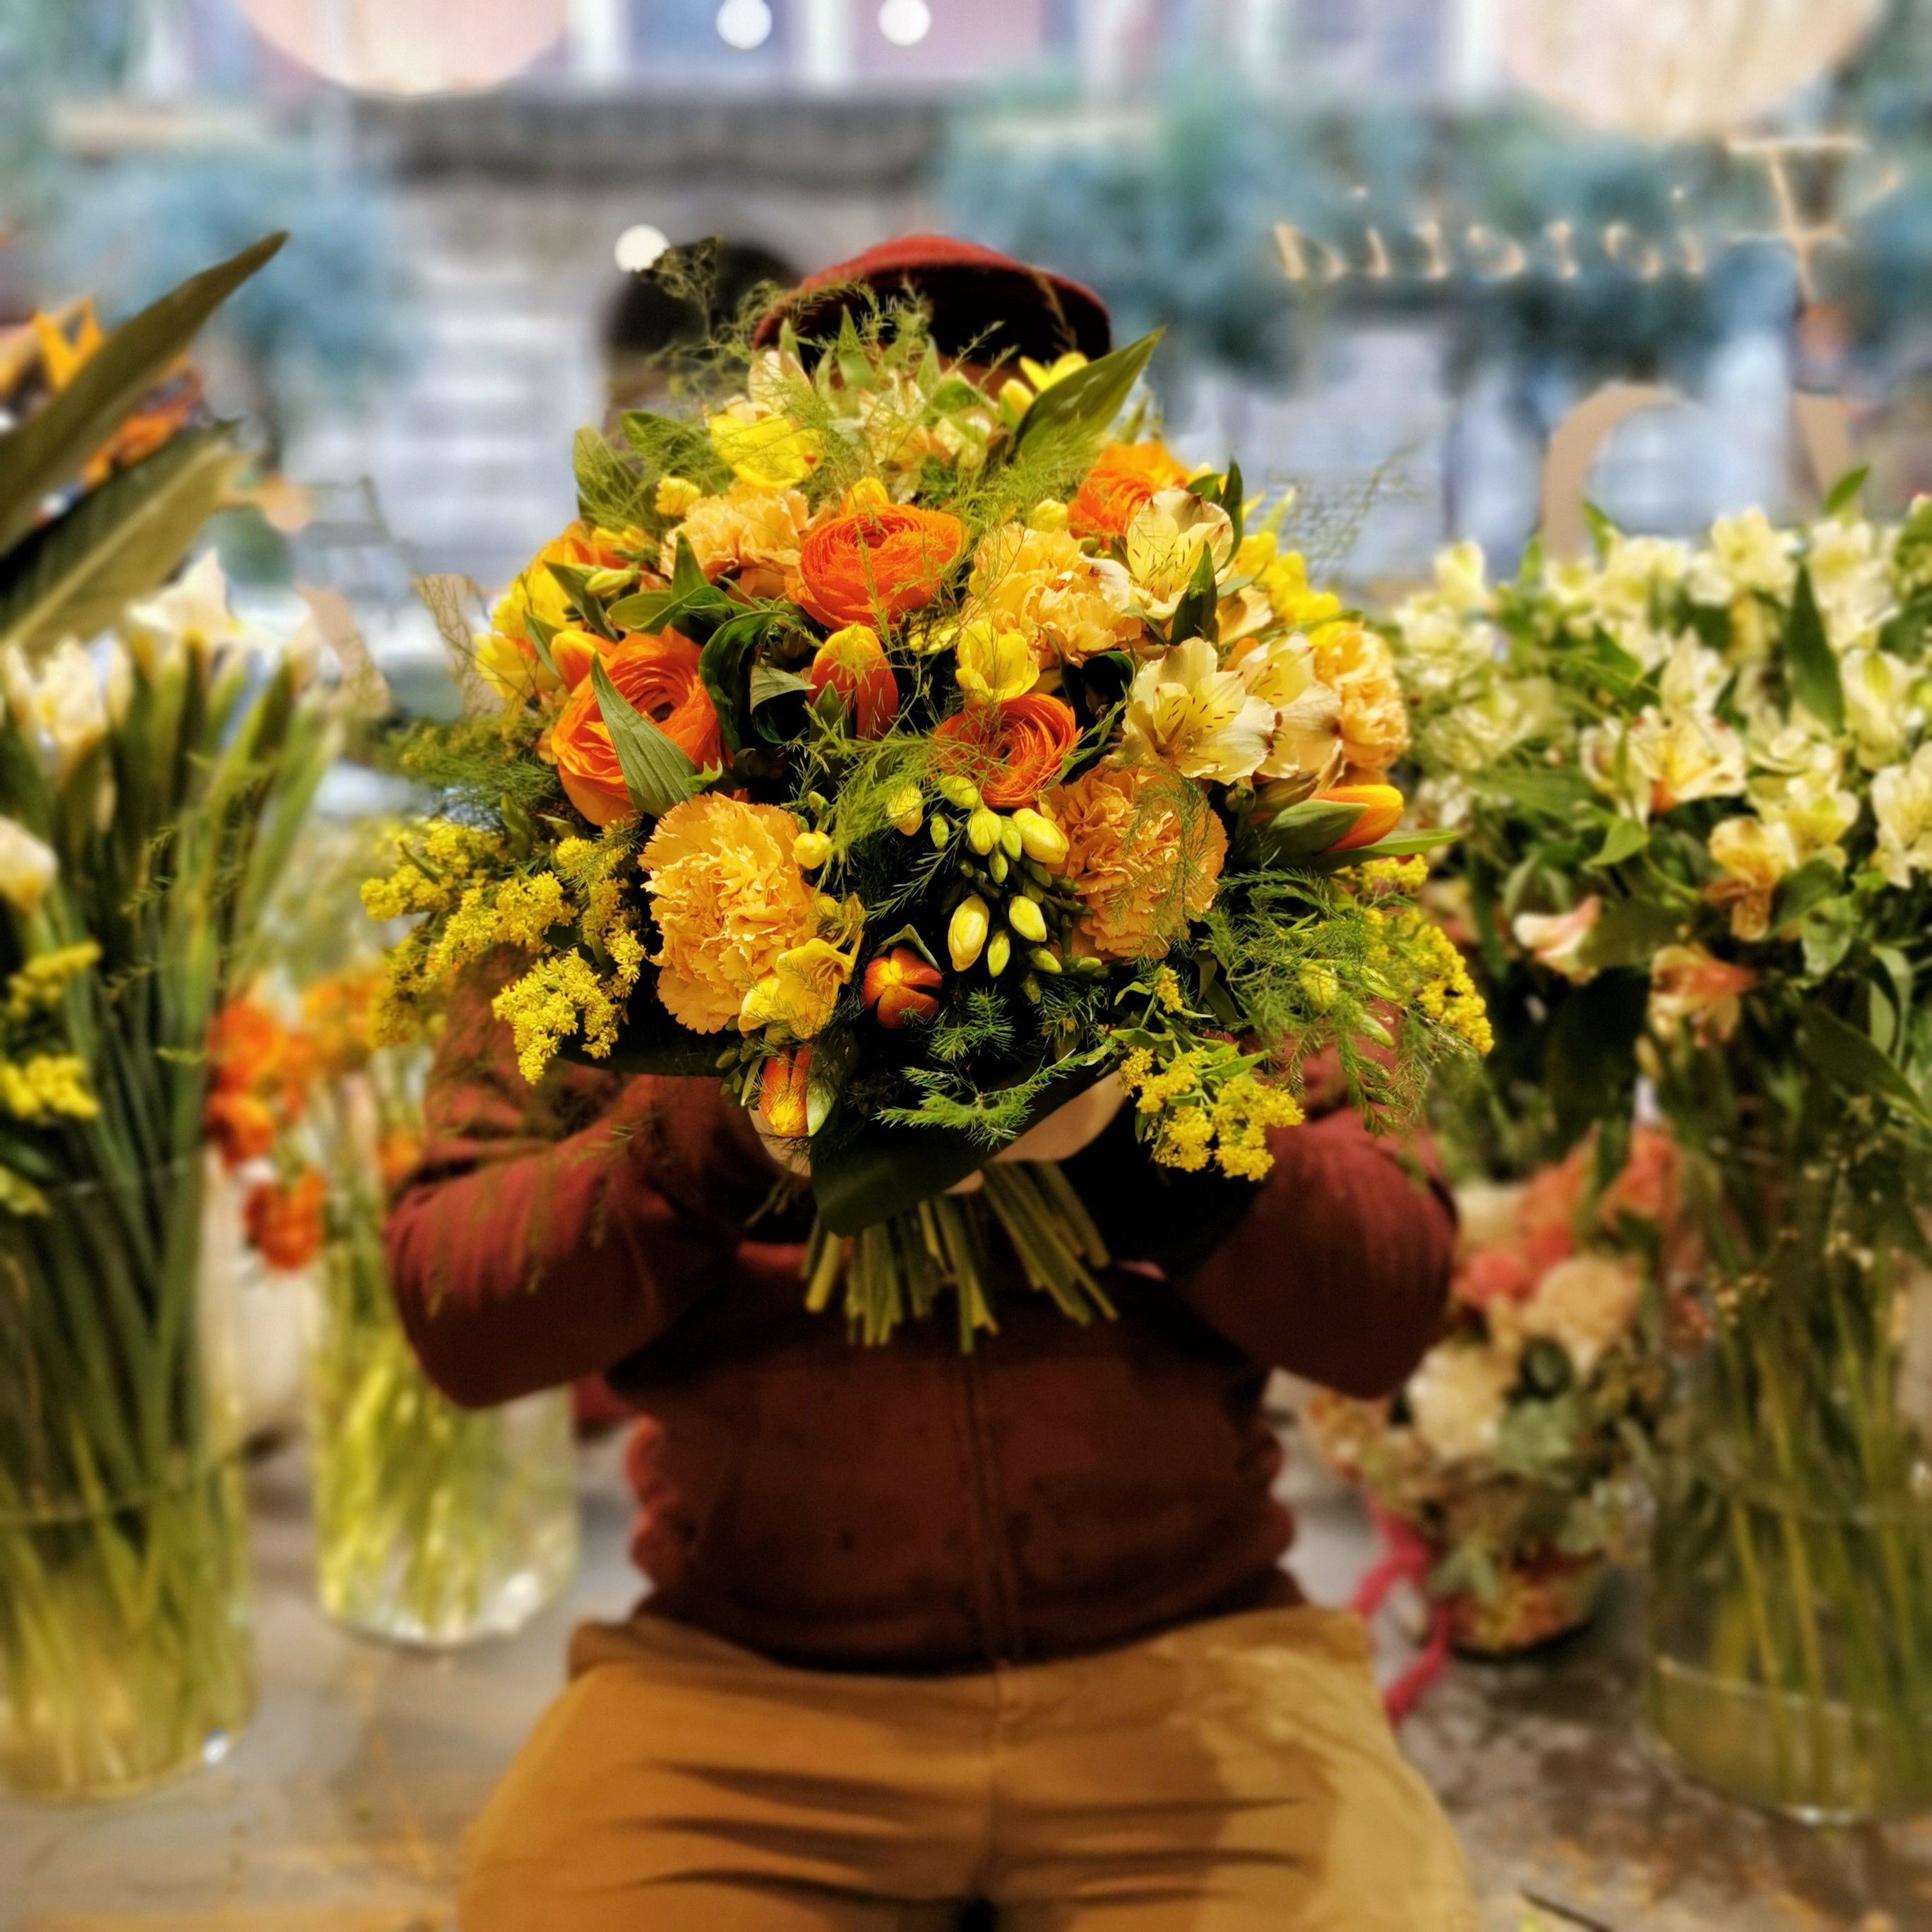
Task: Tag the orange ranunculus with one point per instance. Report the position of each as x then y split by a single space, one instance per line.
1126 475
784 1081
853 663
1012 750
659 676
283 1219
241 1124
898 987
875 564
1381 812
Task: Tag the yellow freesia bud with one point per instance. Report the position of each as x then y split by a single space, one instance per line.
1049 514
940 830
810 851
982 831
999 950
959 792
904 810
967 932
995 665
1027 919
1044 961
1010 841
1044 376
675 496
868 494
603 583
1015 399
769 452
997 866
1040 839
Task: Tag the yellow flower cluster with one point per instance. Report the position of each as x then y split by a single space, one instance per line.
46 1083
36 987
1226 1120
430 876
1414 953
561 997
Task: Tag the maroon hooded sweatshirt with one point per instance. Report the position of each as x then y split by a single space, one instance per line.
911 1508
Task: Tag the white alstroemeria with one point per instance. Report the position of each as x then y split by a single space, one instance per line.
1443 800
1202 720
64 707
1812 808
1634 569
1655 762
117 681
1307 739
192 614
1746 554
1457 1398
1486 1215
1478 733
1443 651
1641 639
1557 940
1164 544
1460 580
28 867
1851 578
1694 678
1902 803
1885 705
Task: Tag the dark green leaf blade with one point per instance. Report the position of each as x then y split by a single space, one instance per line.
1194 615
657 774
1844 492
1079 408
51 445
1839 1050
1811 667
1623 838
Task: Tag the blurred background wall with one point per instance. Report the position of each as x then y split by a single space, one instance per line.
1387 267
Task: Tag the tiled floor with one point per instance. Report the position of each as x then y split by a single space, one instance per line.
341 1808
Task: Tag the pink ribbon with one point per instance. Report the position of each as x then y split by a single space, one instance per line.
1406 1558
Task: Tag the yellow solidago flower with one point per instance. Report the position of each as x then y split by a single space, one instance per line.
771 452
36 987
46 1083
994 665
519 912
559 998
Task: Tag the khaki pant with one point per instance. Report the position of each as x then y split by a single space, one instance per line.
1234 1776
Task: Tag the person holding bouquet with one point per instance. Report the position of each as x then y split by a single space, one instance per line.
929 1625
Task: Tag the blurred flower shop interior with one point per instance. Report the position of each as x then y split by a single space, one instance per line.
1546 384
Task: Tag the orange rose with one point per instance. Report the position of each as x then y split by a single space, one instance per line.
1011 751
873 565
659 676
284 1219
898 987
1126 475
853 662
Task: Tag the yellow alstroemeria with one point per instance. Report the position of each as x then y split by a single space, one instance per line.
1191 714
1164 545
771 452
995 665
800 992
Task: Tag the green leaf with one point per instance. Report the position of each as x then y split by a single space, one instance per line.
1194 615
1402 845
1080 407
1231 498
1842 1053
769 682
118 544
725 665
52 444
668 447
1603 533
1814 882
1303 830
1844 492
1535 788
1810 668
689 602
575 582
1625 838
657 774
1629 932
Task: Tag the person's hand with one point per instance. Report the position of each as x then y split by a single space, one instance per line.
1064 1132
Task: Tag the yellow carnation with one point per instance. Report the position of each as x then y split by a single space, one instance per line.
1144 851
730 901
1040 583
1357 665
749 532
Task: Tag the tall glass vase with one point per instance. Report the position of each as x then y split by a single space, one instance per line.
434 1525
1791 1623
125 1642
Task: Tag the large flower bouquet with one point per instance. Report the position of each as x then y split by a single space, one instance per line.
1512 1457
1695 784
912 757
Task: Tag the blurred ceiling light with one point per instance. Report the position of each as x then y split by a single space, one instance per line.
639 246
744 24
411 46
905 22
1673 70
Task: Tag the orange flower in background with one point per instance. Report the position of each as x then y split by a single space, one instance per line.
396 1155
1126 475
242 1124
339 1012
873 565
257 1068
284 1220
659 676
1012 750
853 663
784 1082
898 987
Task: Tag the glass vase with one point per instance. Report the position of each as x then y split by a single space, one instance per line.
435 1526
1790 1643
124 1641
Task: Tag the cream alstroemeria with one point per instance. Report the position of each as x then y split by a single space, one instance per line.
1851 579
1164 542
192 614
1443 651
994 664
1457 1398
1746 554
65 706
1657 761
1306 741
1753 857
27 867
1633 570
1476 734
1557 940
1191 714
1885 706
1459 579
1693 677
1690 986
1586 1303
1812 808
1902 803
